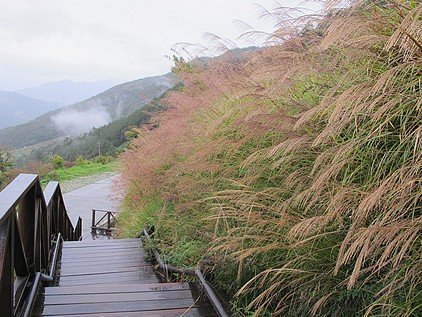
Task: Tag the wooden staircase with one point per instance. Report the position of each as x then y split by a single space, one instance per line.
46 270
111 278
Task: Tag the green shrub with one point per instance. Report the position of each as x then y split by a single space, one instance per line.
101 159
58 161
131 134
5 165
80 161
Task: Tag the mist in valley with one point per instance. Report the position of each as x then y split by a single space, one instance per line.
75 122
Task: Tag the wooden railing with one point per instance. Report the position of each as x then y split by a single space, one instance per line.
30 221
220 308
104 223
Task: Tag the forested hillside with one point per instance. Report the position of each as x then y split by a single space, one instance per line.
108 140
296 168
81 117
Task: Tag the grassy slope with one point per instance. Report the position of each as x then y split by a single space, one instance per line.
65 174
306 190
111 138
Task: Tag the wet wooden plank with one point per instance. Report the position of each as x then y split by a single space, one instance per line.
102 245
129 280
100 268
104 240
109 253
116 288
133 277
102 252
112 270
102 249
111 239
122 252
140 271
101 260
132 306
70 244
105 264
116 297
101 257
193 312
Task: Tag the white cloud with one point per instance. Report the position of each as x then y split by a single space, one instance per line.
88 40
73 122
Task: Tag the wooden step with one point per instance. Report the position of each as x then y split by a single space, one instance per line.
111 278
185 312
117 288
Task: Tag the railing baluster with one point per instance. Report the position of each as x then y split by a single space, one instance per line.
93 218
6 268
45 235
25 220
37 237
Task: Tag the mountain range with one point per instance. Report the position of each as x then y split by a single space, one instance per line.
67 92
16 108
78 118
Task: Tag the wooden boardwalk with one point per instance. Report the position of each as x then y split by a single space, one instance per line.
111 278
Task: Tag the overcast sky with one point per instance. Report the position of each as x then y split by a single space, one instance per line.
90 40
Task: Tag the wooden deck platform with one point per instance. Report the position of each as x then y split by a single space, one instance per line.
111 278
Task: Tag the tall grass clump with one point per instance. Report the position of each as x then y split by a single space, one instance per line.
297 166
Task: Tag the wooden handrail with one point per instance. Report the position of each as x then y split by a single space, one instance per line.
29 221
109 217
218 306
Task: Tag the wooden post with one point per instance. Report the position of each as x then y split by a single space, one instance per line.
93 221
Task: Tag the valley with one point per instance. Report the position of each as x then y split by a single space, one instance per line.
74 120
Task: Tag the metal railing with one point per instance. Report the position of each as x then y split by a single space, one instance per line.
30 220
212 296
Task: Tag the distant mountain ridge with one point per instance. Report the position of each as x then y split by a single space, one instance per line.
67 92
81 117
16 108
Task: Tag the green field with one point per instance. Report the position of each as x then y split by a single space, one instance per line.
65 174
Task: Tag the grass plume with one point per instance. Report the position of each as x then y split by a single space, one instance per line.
298 165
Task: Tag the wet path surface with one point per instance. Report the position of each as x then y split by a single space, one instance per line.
112 278
102 194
